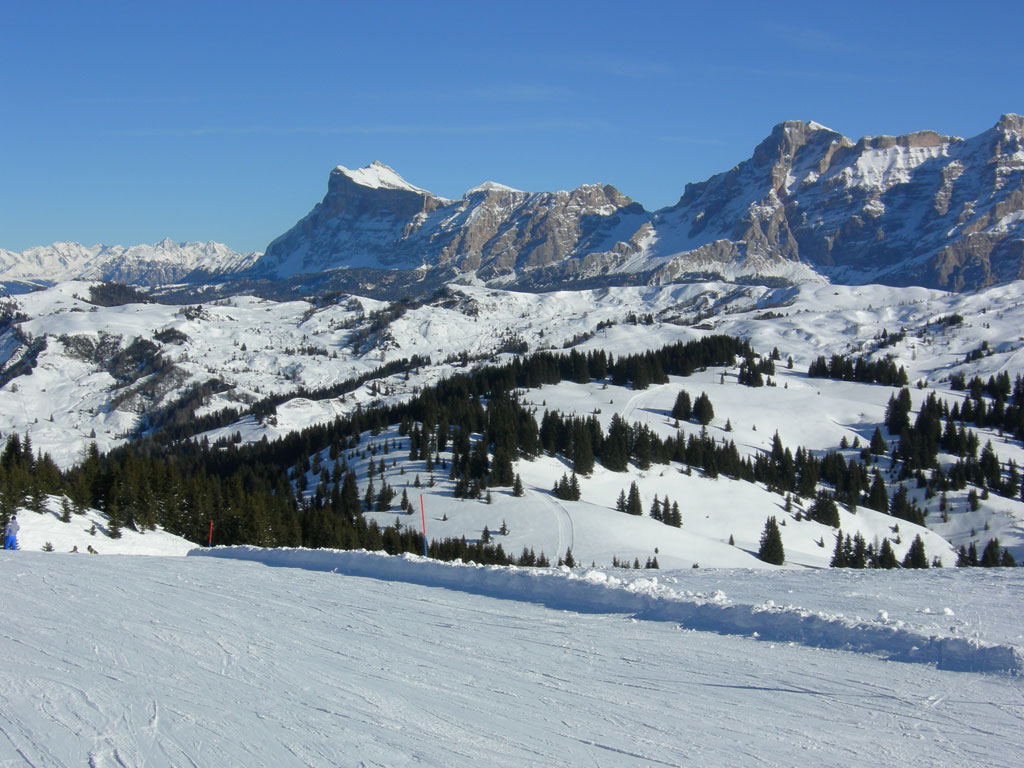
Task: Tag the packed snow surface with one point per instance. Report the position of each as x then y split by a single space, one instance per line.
205 661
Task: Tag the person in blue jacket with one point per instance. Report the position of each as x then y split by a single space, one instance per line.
11 533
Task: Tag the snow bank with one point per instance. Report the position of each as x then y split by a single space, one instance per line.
593 591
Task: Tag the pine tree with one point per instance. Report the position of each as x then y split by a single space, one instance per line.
878 445
771 550
682 409
839 552
916 557
655 510
991 556
677 516
886 557
517 486
703 411
824 510
634 506
620 503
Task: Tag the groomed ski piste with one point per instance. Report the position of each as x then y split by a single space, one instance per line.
248 656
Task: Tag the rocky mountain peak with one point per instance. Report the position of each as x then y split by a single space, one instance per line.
1011 123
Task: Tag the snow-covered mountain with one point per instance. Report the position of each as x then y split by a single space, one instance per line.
919 209
145 265
373 218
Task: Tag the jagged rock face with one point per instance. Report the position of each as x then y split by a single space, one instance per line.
920 209
494 231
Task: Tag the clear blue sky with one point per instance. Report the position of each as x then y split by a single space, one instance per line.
124 123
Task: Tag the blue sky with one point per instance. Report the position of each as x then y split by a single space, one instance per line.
124 123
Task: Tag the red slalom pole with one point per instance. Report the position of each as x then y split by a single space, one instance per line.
423 519
209 542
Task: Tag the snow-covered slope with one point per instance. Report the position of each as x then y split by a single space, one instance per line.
196 661
45 531
260 347
244 349
149 265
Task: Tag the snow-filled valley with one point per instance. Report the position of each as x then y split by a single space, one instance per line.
202 661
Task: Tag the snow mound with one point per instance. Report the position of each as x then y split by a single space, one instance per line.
647 598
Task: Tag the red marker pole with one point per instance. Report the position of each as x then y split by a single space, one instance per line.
423 519
209 542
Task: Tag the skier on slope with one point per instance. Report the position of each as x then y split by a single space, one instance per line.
11 533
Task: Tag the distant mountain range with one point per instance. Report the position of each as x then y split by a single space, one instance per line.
919 209
162 263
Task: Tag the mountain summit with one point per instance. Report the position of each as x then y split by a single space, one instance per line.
918 209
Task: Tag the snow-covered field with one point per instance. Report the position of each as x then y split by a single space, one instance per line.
203 661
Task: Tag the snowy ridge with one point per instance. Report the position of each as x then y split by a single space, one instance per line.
376 175
492 186
593 591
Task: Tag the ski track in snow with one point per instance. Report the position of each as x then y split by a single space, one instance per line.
197 661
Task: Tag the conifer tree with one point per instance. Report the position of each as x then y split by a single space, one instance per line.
655 511
916 557
824 510
703 411
991 556
771 550
517 486
886 556
634 506
682 409
839 552
878 445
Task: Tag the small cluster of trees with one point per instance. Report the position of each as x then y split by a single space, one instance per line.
700 410
567 488
842 368
991 557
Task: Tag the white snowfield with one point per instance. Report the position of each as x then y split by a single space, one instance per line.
207 661
947 642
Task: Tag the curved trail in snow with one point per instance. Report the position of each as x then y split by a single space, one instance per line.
563 521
